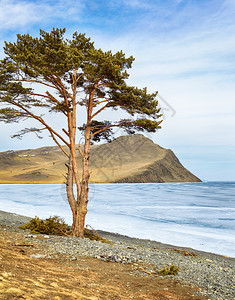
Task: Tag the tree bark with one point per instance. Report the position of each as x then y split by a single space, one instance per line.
83 201
78 210
79 206
71 199
78 219
78 203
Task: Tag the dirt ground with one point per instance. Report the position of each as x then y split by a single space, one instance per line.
57 277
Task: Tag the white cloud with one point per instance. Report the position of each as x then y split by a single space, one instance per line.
16 14
183 49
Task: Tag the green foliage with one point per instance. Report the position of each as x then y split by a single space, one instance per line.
60 64
56 226
172 270
105 131
51 226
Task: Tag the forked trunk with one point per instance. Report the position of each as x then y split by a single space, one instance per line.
83 199
79 211
78 219
78 204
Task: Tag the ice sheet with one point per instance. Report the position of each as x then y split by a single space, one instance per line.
197 215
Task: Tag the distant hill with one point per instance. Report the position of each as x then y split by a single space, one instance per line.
126 159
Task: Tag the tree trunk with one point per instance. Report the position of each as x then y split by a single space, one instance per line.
79 206
78 225
85 180
70 195
77 211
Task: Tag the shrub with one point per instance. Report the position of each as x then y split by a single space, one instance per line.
51 226
56 226
173 270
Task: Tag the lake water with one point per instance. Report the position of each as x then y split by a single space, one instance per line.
197 215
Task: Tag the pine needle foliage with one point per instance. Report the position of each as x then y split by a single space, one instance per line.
50 60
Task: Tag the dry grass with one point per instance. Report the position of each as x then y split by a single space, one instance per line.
56 277
133 158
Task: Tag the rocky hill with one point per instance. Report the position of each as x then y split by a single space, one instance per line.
126 159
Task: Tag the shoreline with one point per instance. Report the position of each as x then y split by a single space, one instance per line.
29 271
6 218
15 220
213 274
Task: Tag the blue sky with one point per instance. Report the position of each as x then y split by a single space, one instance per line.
183 49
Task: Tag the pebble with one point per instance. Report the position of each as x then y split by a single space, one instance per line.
214 274
74 258
39 256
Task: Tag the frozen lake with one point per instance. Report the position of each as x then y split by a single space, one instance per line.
197 215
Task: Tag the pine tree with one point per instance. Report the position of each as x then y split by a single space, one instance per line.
60 76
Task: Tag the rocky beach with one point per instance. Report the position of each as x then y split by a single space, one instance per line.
211 276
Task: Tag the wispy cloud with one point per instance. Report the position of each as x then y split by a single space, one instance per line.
183 48
202 46
15 14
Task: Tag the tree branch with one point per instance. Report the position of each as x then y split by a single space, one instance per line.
98 111
105 128
100 102
65 131
74 88
59 86
39 95
35 81
52 98
55 140
90 101
63 90
80 151
40 120
78 76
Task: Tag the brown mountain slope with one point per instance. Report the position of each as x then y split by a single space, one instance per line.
126 159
